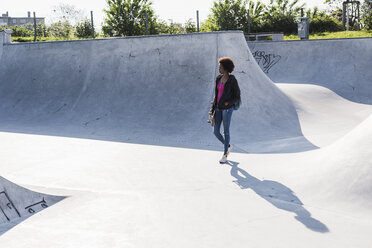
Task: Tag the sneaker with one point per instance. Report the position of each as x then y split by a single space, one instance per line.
229 149
223 159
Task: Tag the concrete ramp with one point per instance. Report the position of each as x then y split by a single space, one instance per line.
126 109
346 171
18 203
341 65
150 90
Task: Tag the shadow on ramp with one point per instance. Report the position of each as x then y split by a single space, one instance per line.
278 195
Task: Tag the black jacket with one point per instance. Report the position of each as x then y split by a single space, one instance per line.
231 93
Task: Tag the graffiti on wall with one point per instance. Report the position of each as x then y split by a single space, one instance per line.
31 208
7 208
8 211
266 61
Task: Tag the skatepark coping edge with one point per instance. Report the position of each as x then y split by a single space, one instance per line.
127 37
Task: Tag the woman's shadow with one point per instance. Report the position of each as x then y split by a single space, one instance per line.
278 195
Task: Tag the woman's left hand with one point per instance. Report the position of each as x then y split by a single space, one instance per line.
226 103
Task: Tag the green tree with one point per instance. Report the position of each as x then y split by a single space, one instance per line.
190 26
175 28
84 29
320 21
60 29
285 7
256 12
162 27
324 23
21 31
233 15
128 18
28 30
229 14
281 16
209 25
41 30
367 15
336 9
334 4
337 13
313 13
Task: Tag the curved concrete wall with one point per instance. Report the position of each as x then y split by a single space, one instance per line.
151 90
342 65
1 43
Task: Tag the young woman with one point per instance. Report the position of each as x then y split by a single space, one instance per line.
227 94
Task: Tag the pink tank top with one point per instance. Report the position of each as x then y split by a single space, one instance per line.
220 87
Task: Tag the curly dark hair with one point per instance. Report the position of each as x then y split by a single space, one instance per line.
227 64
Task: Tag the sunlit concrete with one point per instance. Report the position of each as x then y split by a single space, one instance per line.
115 130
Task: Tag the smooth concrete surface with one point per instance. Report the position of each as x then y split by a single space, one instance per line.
128 195
149 90
341 65
324 115
118 127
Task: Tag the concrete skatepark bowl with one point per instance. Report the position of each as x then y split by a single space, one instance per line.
113 134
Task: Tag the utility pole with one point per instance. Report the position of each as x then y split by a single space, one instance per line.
197 20
343 15
249 21
358 14
147 23
91 17
35 33
347 18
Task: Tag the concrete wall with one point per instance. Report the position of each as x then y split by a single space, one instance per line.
342 65
1 43
5 38
152 90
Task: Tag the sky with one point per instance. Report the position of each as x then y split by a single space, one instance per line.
176 10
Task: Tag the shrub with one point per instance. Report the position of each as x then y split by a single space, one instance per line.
280 23
209 25
175 28
325 23
84 29
21 31
367 22
41 30
367 15
190 26
60 29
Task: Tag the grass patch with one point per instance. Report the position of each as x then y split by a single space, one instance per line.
333 35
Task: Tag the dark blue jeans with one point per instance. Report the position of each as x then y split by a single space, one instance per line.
224 116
